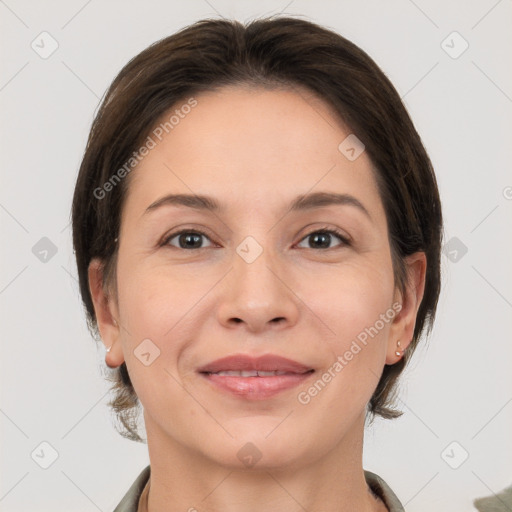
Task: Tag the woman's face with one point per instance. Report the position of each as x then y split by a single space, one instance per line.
260 278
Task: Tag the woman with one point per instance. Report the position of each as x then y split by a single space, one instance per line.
257 229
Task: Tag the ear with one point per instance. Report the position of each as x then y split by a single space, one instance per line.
106 312
402 328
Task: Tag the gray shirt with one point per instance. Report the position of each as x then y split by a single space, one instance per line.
130 502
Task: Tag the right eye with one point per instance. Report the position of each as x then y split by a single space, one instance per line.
186 239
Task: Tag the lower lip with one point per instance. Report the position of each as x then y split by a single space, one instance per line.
257 388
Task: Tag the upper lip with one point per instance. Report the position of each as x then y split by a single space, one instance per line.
267 362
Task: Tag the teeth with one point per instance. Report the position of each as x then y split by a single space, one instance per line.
250 373
233 373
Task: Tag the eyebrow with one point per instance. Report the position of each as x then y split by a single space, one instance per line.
300 203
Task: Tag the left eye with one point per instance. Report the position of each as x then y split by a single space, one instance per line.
323 237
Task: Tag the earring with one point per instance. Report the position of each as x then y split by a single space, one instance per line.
115 322
398 353
108 348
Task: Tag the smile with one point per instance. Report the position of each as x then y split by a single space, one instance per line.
255 385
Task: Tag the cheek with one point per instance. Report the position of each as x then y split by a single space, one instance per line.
351 299
153 300
153 312
167 307
356 304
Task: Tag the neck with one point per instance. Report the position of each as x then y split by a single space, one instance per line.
184 480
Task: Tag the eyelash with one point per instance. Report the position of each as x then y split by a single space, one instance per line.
331 231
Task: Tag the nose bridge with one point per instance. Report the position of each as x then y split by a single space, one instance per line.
255 294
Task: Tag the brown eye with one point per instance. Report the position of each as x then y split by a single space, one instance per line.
321 239
186 239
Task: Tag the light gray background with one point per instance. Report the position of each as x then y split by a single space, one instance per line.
459 388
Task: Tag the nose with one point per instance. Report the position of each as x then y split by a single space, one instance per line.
258 295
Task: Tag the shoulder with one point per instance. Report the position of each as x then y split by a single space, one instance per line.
130 501
382 489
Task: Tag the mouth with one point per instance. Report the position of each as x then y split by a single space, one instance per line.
253 378
253 373
246 363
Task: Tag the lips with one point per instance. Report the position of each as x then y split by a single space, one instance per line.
247 366
255 378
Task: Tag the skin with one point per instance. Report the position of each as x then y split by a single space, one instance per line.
255 150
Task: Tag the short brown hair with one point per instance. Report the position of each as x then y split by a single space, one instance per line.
270 52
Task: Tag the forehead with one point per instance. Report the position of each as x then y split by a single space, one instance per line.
251 146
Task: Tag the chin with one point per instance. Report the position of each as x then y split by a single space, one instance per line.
252 451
